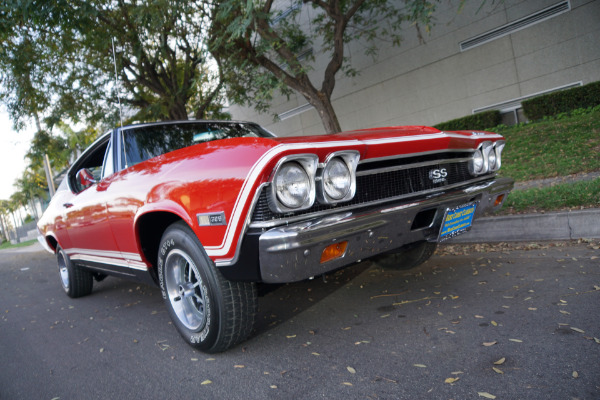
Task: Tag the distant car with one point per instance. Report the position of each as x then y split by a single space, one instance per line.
208 209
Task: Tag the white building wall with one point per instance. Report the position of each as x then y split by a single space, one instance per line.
427 83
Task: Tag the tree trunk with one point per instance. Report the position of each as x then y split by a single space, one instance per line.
324 108
4 229
178 111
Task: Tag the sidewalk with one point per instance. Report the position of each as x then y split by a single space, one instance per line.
565 225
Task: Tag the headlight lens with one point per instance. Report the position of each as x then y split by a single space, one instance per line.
337 179
477 163
292 185
492 160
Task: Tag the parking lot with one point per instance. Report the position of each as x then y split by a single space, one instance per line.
519 321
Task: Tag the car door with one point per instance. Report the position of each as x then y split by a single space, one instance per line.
92 240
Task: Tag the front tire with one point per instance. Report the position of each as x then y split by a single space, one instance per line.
75 280
210 312
407 257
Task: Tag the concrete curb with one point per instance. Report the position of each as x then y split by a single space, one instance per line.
548 226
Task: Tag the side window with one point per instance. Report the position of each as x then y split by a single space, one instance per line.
108 166
92 162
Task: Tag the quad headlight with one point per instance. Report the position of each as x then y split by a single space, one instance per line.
487 158
337 180
294 183
477 164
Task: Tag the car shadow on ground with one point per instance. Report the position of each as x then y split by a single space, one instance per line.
279 303
276 303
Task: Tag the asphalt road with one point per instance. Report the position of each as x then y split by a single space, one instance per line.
429 333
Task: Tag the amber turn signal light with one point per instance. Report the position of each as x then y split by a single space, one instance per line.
334 251
498 200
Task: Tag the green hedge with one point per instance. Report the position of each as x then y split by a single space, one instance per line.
559 102
484 120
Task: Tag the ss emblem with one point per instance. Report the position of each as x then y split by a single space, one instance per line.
438 175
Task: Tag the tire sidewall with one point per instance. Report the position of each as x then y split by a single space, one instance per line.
80 280
69 266
179 237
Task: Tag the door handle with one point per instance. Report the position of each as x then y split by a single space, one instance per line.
68 205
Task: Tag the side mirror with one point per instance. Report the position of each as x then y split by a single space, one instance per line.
85 178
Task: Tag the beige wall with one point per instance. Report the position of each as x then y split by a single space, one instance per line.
433 82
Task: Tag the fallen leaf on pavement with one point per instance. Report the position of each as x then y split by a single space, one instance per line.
577 330
575 374
451 380
420 365
516 340
497 370
206 382
486 395
500 361
488 344
351 370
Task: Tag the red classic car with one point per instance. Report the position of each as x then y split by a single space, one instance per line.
208 209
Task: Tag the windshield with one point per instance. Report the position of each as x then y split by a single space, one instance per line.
144 142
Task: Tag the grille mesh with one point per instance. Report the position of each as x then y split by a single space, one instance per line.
376 187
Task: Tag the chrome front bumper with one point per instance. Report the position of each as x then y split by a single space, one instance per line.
293 252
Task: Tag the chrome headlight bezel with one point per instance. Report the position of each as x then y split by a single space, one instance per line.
349 159
308 164
480 163
498 147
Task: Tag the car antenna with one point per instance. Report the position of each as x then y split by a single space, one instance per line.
117 82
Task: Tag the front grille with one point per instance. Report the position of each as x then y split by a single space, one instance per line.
379 185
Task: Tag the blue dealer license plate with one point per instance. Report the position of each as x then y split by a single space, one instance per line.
457 220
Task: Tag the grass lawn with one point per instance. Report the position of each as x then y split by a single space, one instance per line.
585 194
558 147
7 245
562 146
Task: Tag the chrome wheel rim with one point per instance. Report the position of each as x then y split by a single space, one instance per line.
63 271
186 291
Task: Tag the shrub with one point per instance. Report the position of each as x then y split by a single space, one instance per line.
478 121
563 101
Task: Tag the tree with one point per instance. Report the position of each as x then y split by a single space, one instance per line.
164 68
4 223
260 44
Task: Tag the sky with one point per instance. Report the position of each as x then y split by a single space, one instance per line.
13 146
